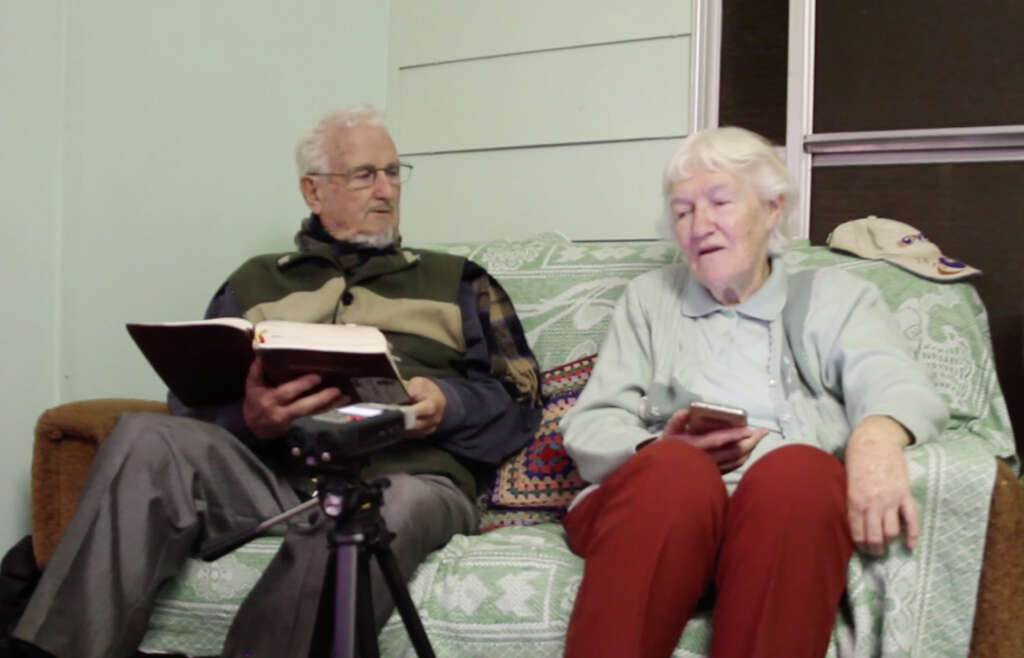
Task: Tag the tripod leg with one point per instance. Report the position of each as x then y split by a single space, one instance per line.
406 608
368 647
345 601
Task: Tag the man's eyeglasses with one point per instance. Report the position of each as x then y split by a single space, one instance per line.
362 177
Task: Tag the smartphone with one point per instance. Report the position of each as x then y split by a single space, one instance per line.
706 417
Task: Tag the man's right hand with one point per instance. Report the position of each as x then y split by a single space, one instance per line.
269 410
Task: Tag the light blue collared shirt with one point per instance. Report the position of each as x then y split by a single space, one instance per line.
732 352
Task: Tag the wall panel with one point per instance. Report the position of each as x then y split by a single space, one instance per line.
528 116
445 30
609 92
597 191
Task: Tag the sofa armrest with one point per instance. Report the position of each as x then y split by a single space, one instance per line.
66 440
1000 602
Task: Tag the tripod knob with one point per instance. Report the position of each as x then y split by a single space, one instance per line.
333 505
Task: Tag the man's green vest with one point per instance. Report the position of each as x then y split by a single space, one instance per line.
410 295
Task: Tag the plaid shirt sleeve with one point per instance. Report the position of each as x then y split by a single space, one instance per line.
512 361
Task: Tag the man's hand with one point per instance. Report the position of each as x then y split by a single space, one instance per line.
428 405
729 447
877 485
269 410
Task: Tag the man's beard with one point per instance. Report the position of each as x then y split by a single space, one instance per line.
385 238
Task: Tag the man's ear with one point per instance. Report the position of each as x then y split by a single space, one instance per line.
311 193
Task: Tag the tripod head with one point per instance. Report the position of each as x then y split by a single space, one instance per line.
341 439
335 446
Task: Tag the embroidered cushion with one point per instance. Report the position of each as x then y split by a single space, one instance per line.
538 483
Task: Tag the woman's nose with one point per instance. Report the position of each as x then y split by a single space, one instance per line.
703 221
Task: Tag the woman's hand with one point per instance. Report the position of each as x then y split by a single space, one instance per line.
429 403
877 485
268 410
729 447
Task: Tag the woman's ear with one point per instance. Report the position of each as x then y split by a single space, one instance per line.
774 212
311 193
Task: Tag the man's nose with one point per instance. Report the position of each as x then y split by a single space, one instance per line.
383 188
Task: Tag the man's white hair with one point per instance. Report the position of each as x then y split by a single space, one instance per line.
310 154
740 153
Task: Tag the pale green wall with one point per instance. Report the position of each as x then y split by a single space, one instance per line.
31 113
519 121
147 151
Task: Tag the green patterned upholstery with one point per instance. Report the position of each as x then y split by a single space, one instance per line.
510 591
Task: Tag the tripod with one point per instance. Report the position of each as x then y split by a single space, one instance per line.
359 532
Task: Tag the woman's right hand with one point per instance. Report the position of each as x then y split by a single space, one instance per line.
729 447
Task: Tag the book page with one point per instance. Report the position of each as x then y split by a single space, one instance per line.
237 323
281 334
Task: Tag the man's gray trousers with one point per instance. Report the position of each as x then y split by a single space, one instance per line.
162 486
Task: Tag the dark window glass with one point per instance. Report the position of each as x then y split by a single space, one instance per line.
918 64
752 84
973 211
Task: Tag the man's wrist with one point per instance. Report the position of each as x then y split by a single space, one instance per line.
454 409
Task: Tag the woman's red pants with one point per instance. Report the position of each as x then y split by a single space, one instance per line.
660 533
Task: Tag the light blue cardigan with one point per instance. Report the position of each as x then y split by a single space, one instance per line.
835 348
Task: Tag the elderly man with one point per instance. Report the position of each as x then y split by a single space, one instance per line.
162 487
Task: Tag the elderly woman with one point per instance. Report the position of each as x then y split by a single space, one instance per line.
762 517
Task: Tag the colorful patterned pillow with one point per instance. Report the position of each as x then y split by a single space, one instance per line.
538 482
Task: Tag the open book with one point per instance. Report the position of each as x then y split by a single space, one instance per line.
205 362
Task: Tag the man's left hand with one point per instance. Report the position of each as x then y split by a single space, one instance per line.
878 487
428 404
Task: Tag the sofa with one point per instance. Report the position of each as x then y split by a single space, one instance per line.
509 590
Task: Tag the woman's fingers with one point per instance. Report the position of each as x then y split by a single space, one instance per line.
908 510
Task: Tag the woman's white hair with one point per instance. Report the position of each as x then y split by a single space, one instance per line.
740 153
310 155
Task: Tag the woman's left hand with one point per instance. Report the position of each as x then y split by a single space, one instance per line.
878 487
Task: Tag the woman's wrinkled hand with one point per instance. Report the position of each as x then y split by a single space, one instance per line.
878 486
729 447
269 410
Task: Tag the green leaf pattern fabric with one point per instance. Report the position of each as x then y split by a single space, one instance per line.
510 591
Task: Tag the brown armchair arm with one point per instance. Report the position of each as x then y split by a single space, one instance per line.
998 632
66 440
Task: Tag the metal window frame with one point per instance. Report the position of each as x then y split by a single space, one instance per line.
973 144
806 150
800 107
706 63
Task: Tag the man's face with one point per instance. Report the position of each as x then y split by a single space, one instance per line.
348 214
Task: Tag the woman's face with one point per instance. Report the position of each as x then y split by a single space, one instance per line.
723 227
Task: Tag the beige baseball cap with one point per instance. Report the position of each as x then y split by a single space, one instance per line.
901 244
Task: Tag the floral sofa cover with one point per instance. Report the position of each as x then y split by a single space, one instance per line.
509 591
